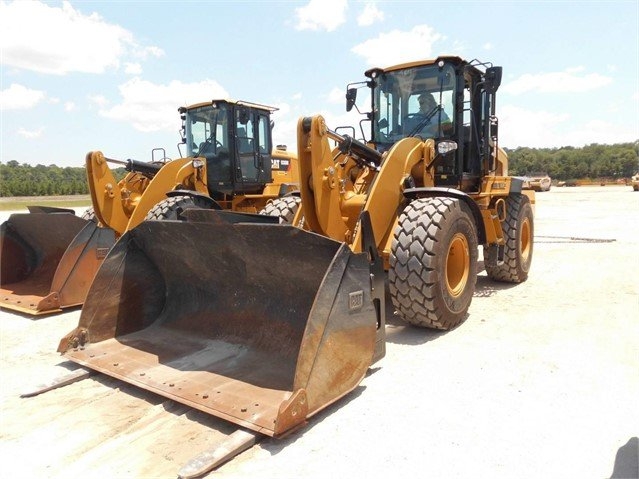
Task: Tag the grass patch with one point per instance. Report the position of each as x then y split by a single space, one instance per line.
20 203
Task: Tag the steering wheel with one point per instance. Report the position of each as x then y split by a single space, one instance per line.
414 116
420 115
420 120
206 144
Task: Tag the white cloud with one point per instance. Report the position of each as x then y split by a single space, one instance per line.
282 109
519 127
399 46
285 119
19 97
145 52
571 80
321 15
152 107
297 96
132 68
99 100
69 106
336 96
59 40
370 15
30 134
487 46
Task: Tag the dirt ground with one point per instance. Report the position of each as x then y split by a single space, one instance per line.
542 380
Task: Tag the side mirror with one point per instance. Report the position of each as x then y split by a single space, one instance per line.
351 96
492 79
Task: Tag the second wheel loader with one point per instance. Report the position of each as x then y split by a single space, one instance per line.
49 257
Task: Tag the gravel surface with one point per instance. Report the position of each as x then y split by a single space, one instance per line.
541 381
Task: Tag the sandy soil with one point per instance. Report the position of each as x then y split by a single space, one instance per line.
542 380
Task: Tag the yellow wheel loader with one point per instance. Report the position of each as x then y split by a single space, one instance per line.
433 180
264 324
49 256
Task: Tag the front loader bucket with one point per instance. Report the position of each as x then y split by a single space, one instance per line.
48 260
259 324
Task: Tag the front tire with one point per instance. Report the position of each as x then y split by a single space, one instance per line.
173 208
433 263
284 208
518 228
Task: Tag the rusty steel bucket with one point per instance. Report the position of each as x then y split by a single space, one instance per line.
48 258
259 324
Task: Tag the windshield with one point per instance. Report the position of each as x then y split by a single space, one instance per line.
206 131
413 102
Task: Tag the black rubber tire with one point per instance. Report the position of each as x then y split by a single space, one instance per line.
433 263
518 228
89 215
172 208
284 208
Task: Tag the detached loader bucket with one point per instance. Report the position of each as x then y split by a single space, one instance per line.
48 260
259 324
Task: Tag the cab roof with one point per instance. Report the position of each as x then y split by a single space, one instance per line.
419 63
248 104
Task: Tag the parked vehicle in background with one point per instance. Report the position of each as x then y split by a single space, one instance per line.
635 182
539 181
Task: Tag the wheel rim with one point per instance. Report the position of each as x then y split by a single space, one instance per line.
457 265
525 242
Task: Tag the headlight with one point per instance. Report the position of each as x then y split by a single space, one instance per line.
446 146
197 163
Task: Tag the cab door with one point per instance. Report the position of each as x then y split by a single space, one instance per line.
253 146
246 146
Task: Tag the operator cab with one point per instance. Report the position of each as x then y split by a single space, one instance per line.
235 139
449 100
415 101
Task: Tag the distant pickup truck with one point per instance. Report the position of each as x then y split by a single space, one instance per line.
538 181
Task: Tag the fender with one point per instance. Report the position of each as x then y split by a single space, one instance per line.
296 193
429 192
195 194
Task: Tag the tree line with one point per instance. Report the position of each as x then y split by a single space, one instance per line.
40 180
592 162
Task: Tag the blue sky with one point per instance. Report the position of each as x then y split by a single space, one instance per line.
91 75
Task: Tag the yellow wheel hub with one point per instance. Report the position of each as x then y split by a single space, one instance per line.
457 265
525 242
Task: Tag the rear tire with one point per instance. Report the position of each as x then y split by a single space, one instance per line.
284 208
433 263
173 208
518 230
